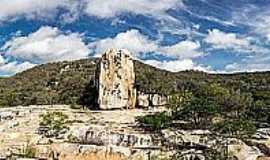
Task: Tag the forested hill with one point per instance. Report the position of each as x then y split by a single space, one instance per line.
72 83
151 79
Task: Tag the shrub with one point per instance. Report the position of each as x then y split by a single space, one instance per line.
54 121
156 121
237 127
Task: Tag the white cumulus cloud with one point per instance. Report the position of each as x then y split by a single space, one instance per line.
47 44
132 40
112 8
230 41
246 67
257 18
14 67
224 40
263 26
138 43
2 60
183 52
183 49
178 65
12 9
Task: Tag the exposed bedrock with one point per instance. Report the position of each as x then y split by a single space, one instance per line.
116 80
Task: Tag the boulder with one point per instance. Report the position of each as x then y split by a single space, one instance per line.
143 100
147 100
158 100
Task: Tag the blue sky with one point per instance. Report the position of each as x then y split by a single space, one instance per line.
217 36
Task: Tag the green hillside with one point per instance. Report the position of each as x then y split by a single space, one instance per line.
72 83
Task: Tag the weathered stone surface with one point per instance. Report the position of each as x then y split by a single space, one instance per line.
115 80
113 134
190 138
102 137
147 100
238 149
159 100
263 158
6 115
262 134
143 100
202 139
76 151
97 134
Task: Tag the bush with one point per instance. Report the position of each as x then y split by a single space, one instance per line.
54 122
237 127
156 121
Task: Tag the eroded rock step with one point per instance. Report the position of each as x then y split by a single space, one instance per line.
100 136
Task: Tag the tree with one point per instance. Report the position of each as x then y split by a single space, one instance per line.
179 100
237 105
199 111
10 98
259 111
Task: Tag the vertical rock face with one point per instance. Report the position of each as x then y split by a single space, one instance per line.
115 80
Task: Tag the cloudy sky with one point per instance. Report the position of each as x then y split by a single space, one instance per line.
221 36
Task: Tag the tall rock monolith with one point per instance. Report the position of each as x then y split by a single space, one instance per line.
115 80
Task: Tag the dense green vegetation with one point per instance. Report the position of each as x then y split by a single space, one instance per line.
234 104
55 83
213 107
73 83
150 79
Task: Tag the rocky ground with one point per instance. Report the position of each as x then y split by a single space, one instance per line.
110 135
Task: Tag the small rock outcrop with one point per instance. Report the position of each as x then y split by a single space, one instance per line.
115 80
146 100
